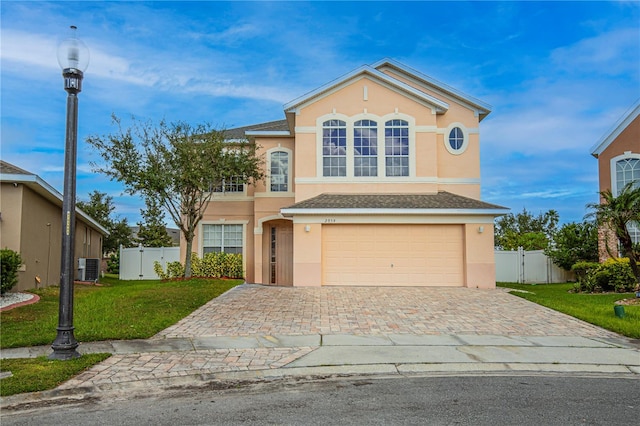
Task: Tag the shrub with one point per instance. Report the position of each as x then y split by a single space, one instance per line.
10 261
174 270
212 265
612 275
113 263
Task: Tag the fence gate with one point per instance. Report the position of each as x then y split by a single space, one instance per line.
137 263
528 266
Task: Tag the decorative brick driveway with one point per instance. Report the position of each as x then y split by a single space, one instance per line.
250 310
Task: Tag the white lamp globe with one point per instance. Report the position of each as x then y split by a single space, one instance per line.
73 53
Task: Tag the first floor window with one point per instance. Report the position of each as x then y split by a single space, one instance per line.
222 238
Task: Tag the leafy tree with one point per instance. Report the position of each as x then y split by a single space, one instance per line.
574 242
100 207
525 230
616 213
153 232
177 163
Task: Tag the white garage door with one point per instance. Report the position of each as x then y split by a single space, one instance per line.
392 255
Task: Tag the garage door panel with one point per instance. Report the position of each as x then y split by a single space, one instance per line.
400 255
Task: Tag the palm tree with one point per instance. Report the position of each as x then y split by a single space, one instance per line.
616 213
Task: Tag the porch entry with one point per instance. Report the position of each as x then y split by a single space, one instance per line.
279 253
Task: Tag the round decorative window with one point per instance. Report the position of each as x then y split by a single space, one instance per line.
456 138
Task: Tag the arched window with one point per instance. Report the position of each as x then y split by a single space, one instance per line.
365 148
627 170
279 165
396 147
334 148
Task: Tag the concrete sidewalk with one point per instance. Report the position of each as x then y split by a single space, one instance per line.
175 361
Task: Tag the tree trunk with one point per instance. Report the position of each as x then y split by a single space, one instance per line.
187 260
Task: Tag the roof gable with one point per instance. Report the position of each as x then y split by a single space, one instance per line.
481 108
624 122
377 76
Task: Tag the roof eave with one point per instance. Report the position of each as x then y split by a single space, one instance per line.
287 212
622 123
35 180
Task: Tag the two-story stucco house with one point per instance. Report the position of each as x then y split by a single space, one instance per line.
618 154
373 179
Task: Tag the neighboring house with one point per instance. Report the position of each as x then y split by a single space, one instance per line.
372 179
31 224
174 233
618 154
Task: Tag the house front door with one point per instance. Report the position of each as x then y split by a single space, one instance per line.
281 253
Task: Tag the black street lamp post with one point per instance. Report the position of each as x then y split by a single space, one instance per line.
73 57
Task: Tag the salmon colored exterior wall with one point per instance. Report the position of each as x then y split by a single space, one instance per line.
433 168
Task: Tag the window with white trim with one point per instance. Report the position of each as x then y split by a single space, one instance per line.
279 165
365 148
222 238
231 184
334 148
627 171
396 147
456 138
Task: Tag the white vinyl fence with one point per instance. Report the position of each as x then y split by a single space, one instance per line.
531 266
137 263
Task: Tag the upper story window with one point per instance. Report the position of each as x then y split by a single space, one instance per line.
365 148
232 184
627 170
396 147
334 148
456 138
279 163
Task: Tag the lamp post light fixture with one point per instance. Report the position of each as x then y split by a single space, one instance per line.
73 57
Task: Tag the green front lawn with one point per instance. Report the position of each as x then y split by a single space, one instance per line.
596 309
116 310
38 374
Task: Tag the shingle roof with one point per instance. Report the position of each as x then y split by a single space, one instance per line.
10 169
239 132
441 200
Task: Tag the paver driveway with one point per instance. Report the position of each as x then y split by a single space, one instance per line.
250 310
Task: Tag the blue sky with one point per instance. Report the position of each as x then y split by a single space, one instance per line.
558 75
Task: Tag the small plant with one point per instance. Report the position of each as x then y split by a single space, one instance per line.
10 261
174 270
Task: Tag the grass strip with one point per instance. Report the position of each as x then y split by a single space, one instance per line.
596 309
39 374
115 310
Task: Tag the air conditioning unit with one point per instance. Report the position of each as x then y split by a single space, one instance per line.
88 269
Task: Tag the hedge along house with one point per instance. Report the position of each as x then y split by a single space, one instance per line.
31 224
618 154
372 179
